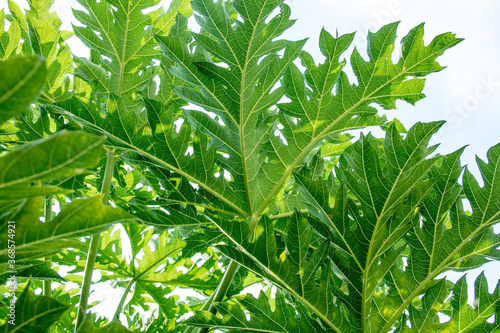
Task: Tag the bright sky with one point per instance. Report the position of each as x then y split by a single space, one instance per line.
466 94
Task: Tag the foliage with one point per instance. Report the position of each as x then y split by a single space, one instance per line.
235 165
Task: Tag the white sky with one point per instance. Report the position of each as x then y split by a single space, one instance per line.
466 94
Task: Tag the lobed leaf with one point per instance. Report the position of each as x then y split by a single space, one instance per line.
264 317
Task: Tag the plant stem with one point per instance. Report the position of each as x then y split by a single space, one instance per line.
205 307
218 295
94 244
116 316
47 288
224 285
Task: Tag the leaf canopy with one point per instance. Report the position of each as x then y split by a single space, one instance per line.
235 144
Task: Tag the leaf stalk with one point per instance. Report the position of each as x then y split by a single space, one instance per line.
218 295
116 316
47 287
94 244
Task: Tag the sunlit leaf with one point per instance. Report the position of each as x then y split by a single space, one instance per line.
22 80
264 317
61 155
34 315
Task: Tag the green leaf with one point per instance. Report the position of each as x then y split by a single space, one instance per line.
423 318
157 266
391 189
299 267
41 36
82 217
17 192
34 269
124 40
449 238
315 113
10 40
159 261
34 315
279 317
389 179
240 94
467 318
260 162
63 154
22 80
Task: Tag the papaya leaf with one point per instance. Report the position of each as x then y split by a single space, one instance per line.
264 317
63 154
157 266
124 40
450 238
467 318
33 269
22 80
239 92
81 217
10 40
34 315
154 260
41 35
299 267
389 179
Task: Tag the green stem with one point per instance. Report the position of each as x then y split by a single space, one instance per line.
47 288
253 222
205 307
224 285
221 291
94 244
119 308
218 295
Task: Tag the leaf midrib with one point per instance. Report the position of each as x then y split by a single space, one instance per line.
22 81
323 133
123 61
244 121
47 171
372 258
446 262
437 220
157 160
